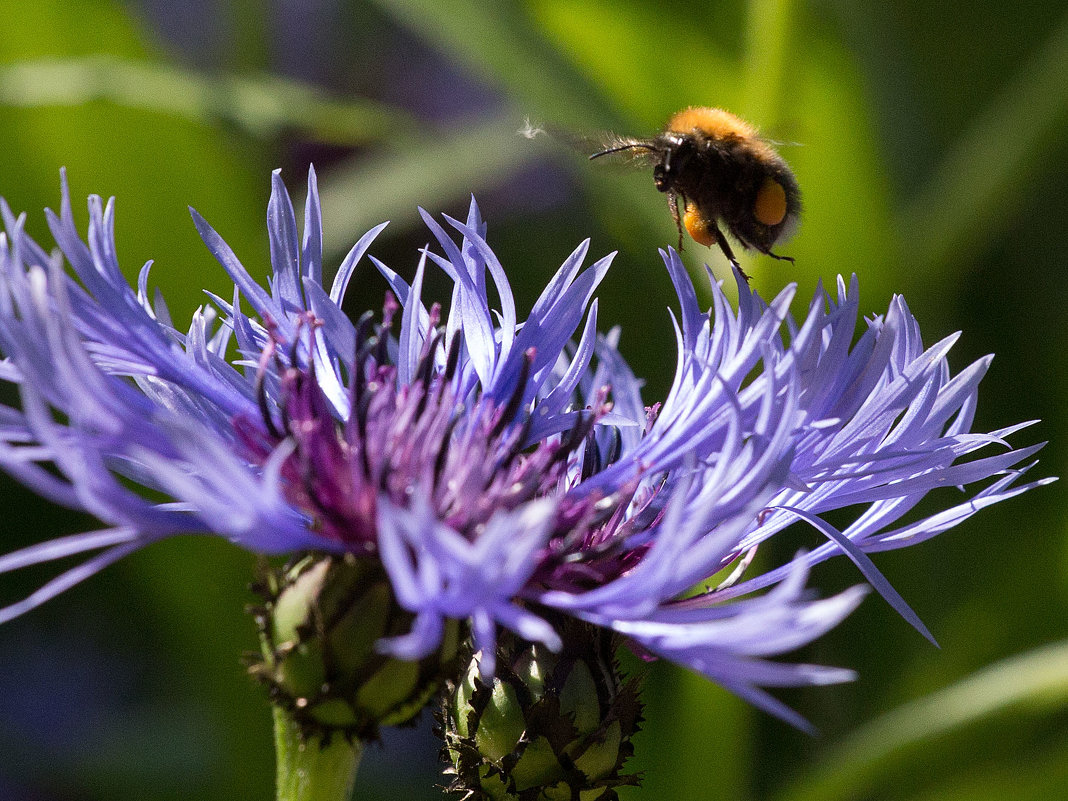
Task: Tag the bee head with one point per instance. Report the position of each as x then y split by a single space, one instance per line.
675 152
669 153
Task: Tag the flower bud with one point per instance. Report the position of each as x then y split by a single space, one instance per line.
318 627
548 726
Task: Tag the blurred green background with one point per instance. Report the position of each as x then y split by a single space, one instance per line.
930 141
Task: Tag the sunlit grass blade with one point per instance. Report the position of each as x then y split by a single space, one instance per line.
1036 681
262 106
767 34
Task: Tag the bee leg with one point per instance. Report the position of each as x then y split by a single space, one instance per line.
725 246
780 258
673 205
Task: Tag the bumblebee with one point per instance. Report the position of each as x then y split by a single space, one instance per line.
715 168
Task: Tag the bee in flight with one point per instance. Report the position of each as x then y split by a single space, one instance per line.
715 168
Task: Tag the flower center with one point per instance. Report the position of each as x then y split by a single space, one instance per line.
470 456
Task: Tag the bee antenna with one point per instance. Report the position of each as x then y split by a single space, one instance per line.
620 148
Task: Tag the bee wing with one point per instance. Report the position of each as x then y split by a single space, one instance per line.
573 140
778 143
592 145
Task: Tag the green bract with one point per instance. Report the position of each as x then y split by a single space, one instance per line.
318 626
549 726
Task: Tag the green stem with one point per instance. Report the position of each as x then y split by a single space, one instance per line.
310 771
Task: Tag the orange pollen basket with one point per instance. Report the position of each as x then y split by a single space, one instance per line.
698 227
770 206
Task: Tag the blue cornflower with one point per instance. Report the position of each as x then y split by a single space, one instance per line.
507 473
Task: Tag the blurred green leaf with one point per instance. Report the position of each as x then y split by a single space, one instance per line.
643 60
696 742
768 28
963 207
70 27
262 106
834 152
440 169
501 45
1036 681
1043 777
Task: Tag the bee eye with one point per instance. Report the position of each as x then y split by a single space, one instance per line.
661 178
